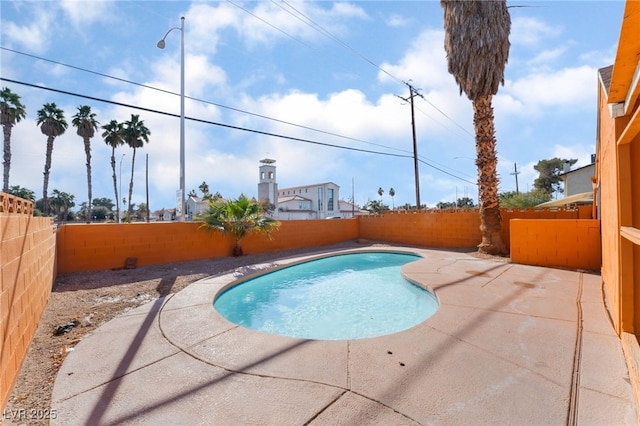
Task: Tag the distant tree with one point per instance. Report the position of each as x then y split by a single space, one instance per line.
192 193
62 202
239 218
86 124
141 212
465 203
113 136
446 205
52 124
24 193
101 213
380 193
135 135
549 174
204 188
375 206
392 193
12 111
523 199
407 206
103 202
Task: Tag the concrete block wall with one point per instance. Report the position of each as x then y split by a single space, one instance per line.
27 259
96 247
566 243
450 228
430 228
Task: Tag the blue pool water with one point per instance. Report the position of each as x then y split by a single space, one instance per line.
348 296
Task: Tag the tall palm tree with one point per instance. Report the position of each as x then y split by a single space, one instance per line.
11 112
113 136
239 218
135 135
86 124
477 46
52 124
392 193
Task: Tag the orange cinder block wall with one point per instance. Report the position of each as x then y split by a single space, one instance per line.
96 247
27 259
556 242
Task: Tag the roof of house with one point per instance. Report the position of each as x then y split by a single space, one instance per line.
292 198
308 186
605 77
583 198
578 169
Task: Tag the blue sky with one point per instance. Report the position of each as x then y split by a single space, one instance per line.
332 69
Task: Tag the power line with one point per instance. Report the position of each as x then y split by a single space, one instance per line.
226 125
146 86
307 20
229 126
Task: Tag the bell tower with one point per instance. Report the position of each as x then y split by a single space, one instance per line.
267 186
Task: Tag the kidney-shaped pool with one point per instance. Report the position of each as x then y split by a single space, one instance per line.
340 297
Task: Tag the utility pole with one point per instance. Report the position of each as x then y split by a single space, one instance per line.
413 92
147 182
515 173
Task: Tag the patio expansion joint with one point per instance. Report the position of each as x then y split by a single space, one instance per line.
497 276
230 371
118 377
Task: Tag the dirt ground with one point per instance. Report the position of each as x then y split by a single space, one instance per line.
94 298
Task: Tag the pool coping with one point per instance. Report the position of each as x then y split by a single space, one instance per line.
500 349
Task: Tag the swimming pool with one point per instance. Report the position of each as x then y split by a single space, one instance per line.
340 297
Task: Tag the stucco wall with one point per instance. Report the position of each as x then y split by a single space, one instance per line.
27 259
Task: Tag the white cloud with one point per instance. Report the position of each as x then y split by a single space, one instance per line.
395 20
568 88
83 13
531 32
34 36
548 55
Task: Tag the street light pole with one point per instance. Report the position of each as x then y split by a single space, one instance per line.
120 194
161 45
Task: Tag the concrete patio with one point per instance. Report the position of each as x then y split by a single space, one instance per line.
510 344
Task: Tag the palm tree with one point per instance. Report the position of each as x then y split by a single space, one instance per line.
380 192
52 124
85 121
11 112
113 137
239 218
63 202
204 188
135 135
477 46
24 193
392 193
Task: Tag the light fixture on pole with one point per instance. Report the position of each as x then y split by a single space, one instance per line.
161 45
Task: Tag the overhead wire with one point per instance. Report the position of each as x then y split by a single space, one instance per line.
317 27
146 86
307 20
141 108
